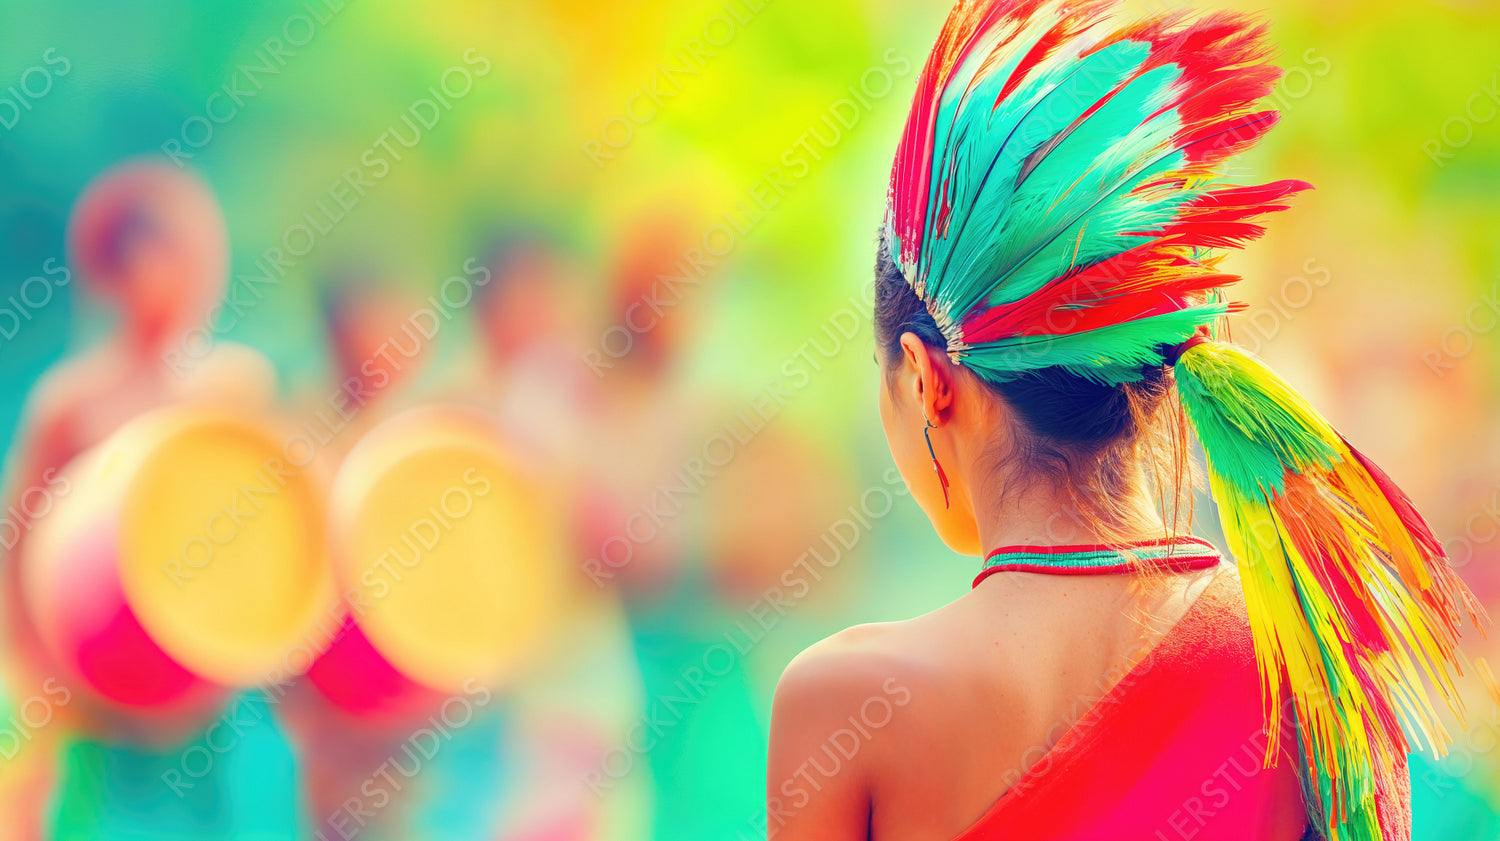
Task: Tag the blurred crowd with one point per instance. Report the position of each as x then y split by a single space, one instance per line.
447 423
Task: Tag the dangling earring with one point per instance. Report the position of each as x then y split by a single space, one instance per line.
942 477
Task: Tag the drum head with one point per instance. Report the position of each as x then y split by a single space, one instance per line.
447 549
222 545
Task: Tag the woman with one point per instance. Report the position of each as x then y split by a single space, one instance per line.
1047 306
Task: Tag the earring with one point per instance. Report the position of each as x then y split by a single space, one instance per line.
942 477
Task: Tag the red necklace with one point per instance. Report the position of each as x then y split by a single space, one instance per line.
1179 554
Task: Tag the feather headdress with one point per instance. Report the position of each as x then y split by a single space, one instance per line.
1057 200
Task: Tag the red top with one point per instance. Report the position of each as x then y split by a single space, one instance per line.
1174 752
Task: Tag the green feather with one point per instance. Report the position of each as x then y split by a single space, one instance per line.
1109 355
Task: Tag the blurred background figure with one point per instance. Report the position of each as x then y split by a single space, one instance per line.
635 534
375 348
529 321
149 242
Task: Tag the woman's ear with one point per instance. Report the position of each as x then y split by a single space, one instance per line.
927 376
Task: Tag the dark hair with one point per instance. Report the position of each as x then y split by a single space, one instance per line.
1089 436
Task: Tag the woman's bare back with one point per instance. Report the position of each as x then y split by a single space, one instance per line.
949 709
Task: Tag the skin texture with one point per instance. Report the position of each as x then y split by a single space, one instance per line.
911 730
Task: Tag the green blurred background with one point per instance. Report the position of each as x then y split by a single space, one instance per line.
624 136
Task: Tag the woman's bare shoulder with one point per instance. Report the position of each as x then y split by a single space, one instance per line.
849 664
886 707
873 673
842 712
841 669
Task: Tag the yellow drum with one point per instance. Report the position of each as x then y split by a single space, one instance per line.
446 549
189 549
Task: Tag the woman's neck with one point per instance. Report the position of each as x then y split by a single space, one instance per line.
1048 515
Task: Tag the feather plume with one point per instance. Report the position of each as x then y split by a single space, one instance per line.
1049 147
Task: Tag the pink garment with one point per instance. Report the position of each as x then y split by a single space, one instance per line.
1173 752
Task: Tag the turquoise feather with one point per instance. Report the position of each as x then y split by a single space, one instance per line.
1110 356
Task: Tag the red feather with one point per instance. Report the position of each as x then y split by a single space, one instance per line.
1142 282
1403 506
1216 142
